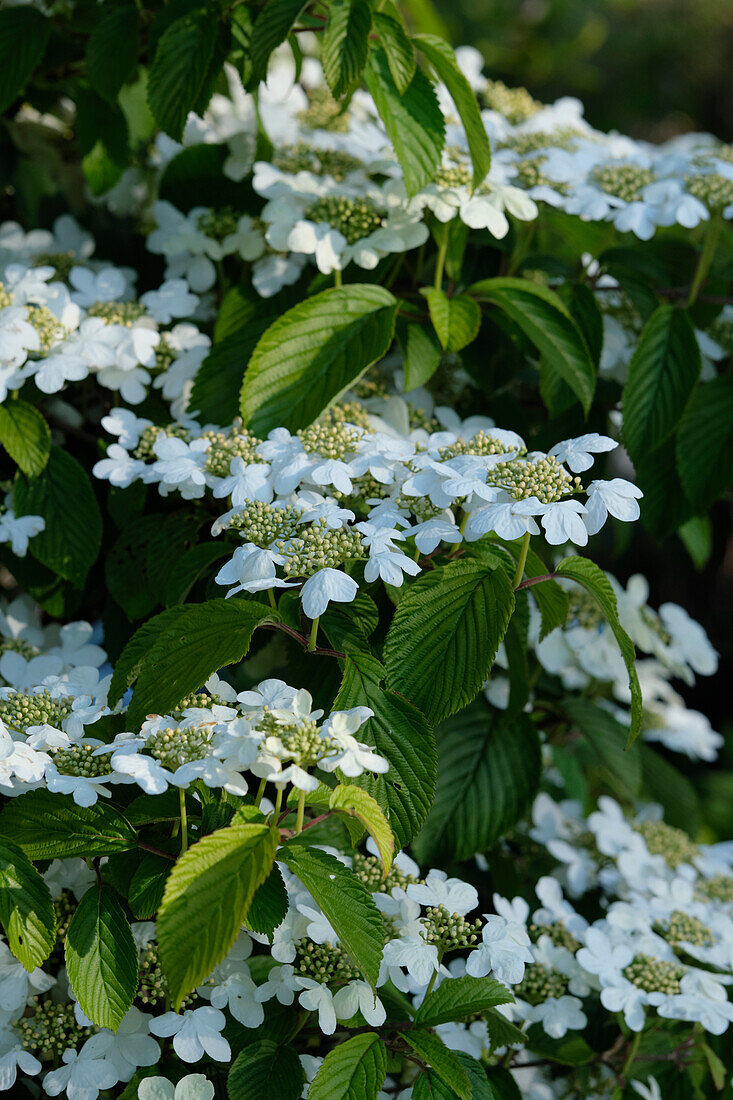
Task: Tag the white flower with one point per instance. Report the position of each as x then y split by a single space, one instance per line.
318 998
504 951
13 1058
509 520
109 285
18 530
562 523
18 984
171 299
251 569
358 996
617 497
419 958
131 1046
281 983
600 956
84 1074
648 1091
576 453
558 1015
195 1032
193 1087
325 586
457 896
237 993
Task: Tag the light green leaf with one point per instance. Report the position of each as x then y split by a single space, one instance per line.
445 1062
26 907
311 354
704 452
421 355
354 1070
488 773
23 37
400 733
355 802
345 901
587 574
443 60
70 543
345 44
546 322
112 51
460 999
207 898
445 634
662 374
25 435
68 829
197 641
413 120
101 957
455 320
180 69
267 1070
397 47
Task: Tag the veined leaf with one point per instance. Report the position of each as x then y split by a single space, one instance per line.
705 443
180 68
444 1061
352 800
421 355
25 435
24 33
101 957
267 1070
607 740
269 905
445 634
207 898
311 354
26 907
456 320
68 829
460 999
546 322
354 1070
112 50
215 391
271 28
398 48
429 1086
345 44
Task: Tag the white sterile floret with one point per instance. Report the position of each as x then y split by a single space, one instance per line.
457 896
192 1087
195 1032
504 952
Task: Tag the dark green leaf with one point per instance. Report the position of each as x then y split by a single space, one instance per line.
345 44
23 37
180 68
461 999
354 1070
705 443
215 393
397 47
112 50
445 1062
266 1070
68 829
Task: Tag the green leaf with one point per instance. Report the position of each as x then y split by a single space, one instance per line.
197 641
70 543
310 355
443 60
664 506
400 733
129 662
192 564
429 1086
488 773
345 901
215 392
148 884
271 28
455 320
352 800
112 51
101 957
100 170
68 829
607 738
99 120
587 574
445 634
354 1070
398 48
23 37
26 907
460 999
662 374
666 784
207 898
265 1069
421 355
345 44
413 120
269 905
546 322
180 68
25 435
705 443
445 1062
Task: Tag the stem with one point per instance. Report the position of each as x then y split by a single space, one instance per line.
260 792
431 983
301 813
278 801
271 598
705 259
337 280
522 560
633 1047
314 634
440 262
184 820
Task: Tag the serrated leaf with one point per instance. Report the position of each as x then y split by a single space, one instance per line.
311 354
267 1070
421 355
354 1070
215 393
345 44
101 957
25 435
70 543
546 322
398 48
607 738
704 448
443 60
194 563
345 901
148 884
269 905
662 374
24 33
587 574
456 320
460 999
128 664
207 898
445 634
26 907
68 829
413 120
399 732
430 1087
271 28
488 774
352 800
112 50
444 1061
179 69
195 642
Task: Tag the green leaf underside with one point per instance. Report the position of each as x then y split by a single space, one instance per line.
25 435
26 907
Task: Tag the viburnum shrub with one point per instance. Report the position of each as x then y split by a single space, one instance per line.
331 763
